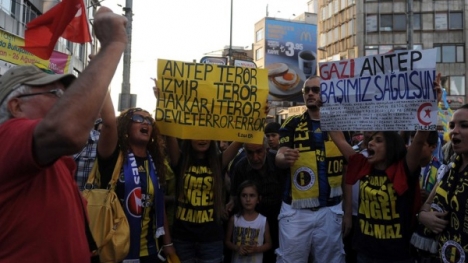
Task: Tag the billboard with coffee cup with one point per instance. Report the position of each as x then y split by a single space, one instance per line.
290 57
307 61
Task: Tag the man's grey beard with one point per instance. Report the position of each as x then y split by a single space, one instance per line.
263 163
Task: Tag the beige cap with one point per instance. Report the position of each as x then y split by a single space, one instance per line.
29 75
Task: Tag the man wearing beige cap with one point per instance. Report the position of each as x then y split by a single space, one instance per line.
43 120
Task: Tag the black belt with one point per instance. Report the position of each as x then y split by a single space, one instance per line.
330 202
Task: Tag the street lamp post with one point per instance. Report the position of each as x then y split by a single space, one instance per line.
126 99
410 25
230 41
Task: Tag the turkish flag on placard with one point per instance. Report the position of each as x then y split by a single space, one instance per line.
66 19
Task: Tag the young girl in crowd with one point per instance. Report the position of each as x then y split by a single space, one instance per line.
136 148
388 190
445 212
248 233
197 228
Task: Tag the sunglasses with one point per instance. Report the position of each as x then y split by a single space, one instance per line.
314 89
141 119
56 92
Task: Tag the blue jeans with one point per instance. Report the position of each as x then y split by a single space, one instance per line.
199 252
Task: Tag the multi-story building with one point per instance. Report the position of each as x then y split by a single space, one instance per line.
349 29
15 14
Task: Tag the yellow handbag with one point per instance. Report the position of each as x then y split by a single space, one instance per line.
173 258
107 220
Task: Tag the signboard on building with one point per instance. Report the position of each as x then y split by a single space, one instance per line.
244 63
297 110
12 54
290 57
214 60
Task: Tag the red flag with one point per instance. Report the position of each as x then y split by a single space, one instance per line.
66 19
78 31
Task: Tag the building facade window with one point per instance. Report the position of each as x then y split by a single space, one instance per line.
29 13
393 22
323 40
371 50
6 6
440 21
417 21
449 53
351 27
15 10
385 48
399 22
259 35
259 53
450 20
343 4
343 30
457 85
455 20
385 23
382 49
81 52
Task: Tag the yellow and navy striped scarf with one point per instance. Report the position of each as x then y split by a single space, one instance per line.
318 159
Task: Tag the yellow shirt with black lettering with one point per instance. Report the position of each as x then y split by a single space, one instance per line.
195 219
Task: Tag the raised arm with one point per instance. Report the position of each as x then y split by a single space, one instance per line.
173 150
340 141
108 137
413 156
230 153
65 129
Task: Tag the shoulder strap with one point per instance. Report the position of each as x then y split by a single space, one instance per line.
117 169
94 174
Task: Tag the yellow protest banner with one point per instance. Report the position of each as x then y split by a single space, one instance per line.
211 102
11 52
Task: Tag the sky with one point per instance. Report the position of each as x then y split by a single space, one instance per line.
185 30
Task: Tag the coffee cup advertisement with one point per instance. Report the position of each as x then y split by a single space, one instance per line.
290 58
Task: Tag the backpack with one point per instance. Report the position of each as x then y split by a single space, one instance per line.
107 220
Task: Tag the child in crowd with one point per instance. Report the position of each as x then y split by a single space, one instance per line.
248 233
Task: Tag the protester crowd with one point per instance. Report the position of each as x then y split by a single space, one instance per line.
302 195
